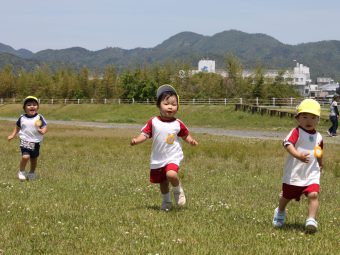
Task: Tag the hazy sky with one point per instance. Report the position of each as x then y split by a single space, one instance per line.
96 24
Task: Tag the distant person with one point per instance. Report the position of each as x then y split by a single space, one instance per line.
303 166
31 127
167 154
334 116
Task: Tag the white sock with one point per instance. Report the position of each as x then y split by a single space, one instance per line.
166 197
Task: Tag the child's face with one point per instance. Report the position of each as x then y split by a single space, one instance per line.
307 121
31 108
168 107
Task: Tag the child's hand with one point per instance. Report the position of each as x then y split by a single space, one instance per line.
10 137
40 130
304 157
133 141
192 142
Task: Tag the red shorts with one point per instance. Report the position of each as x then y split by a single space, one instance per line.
295 192
159 175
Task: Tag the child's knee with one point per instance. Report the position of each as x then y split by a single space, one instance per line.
25 157
313 195
171 174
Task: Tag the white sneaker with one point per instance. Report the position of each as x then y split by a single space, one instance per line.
31 176
180 197
329 134
279 218
311 225
22 175
166 206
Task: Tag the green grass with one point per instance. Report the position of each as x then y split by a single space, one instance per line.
93 195
193 116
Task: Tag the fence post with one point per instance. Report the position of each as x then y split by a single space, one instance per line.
78 101
193 101
147 101
14 100
225 102
65 101
241 100
2 100
118 100
133 100
291 102
91 100
257 101
209 100
105 100
52 101
273 101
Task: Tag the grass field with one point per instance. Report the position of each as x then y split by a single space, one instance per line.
93 195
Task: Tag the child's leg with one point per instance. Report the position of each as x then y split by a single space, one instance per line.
34 162
283 202
313 204
172 176
166 203
25 158
280 213
31 175
164 186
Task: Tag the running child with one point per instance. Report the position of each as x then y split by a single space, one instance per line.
167 154
303 166
31 127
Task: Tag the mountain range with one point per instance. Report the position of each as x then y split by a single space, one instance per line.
323 58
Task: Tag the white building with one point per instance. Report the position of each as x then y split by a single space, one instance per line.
206 65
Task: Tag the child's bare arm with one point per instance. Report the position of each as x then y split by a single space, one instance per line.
190 140
14 133
302 156
139 139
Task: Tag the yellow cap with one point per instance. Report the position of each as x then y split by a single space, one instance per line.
31 98
309 106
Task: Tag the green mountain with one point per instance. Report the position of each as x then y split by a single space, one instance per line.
322 57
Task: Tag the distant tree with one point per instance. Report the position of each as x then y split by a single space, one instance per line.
258 83
7 82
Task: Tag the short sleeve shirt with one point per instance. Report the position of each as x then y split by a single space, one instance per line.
297 172
166 145
28 127
333 106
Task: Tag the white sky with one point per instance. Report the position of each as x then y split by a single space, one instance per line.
95 24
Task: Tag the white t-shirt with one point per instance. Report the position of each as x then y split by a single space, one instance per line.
332 108
166 145
28 127
297 172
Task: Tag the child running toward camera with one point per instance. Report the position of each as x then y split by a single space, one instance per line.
167 154
303 166
31 127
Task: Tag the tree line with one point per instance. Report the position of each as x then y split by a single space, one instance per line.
141 83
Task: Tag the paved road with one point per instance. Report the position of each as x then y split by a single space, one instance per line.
274 135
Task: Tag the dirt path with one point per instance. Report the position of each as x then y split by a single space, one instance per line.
260 134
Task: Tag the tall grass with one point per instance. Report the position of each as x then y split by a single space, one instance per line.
93 197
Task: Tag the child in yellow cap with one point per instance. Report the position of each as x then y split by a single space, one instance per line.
303 166
167 132
31 127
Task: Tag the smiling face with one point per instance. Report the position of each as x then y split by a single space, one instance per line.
31 108
307 121
168 107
